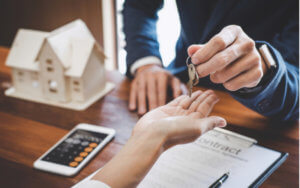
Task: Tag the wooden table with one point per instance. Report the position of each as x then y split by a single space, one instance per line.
28 129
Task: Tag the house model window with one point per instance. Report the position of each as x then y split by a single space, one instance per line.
49 69
76 86
20 76
76 83
64 67
49 61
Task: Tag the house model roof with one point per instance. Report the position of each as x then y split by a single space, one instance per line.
25 48
72 43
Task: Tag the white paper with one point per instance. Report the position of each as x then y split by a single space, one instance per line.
201 163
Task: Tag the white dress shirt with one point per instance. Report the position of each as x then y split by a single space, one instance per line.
144 61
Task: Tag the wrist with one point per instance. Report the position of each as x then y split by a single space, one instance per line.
145 67
148 142
139 154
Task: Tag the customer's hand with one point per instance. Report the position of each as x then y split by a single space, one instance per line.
230 58
182 120
149 88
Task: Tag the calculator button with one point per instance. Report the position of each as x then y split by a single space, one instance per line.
69 140
76 141
75 152
65 150
85 143
78 159
78 136
93 145
70 146
73 164
83 154
89 149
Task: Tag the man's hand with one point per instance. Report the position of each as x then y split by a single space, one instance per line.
150 86
230 58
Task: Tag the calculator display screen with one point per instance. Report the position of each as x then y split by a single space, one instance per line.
75 148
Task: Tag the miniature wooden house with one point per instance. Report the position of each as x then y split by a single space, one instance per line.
64 67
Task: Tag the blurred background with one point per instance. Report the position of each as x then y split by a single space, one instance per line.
103 17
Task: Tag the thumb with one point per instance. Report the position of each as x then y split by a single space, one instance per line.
207 124
193 48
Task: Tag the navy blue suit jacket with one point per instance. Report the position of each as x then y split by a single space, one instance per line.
271 22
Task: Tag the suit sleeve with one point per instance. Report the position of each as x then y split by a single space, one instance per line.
139 18
279 95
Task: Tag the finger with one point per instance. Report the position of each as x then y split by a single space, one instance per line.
162 83
207 105
132 95
225 57
177 101
219 42
141 96
241 65
198 100
176 87
187 101
207 124
151 92
193 48
248 79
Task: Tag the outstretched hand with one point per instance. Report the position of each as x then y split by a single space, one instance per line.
183 119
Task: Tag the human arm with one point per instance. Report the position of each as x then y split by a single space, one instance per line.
148 89
240 69
150 80
140 18
180 121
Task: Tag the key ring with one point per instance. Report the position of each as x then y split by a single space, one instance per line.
188 61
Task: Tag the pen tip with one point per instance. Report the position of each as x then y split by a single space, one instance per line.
228 173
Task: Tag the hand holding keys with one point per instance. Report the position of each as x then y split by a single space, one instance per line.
193 76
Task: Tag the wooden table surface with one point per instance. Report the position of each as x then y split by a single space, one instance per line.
29 129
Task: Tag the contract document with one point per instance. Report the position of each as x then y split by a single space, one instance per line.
202 162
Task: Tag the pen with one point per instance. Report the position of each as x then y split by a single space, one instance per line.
220 181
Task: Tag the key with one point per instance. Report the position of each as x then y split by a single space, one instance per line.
190 87
193 76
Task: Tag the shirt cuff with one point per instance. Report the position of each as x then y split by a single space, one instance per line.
144 61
